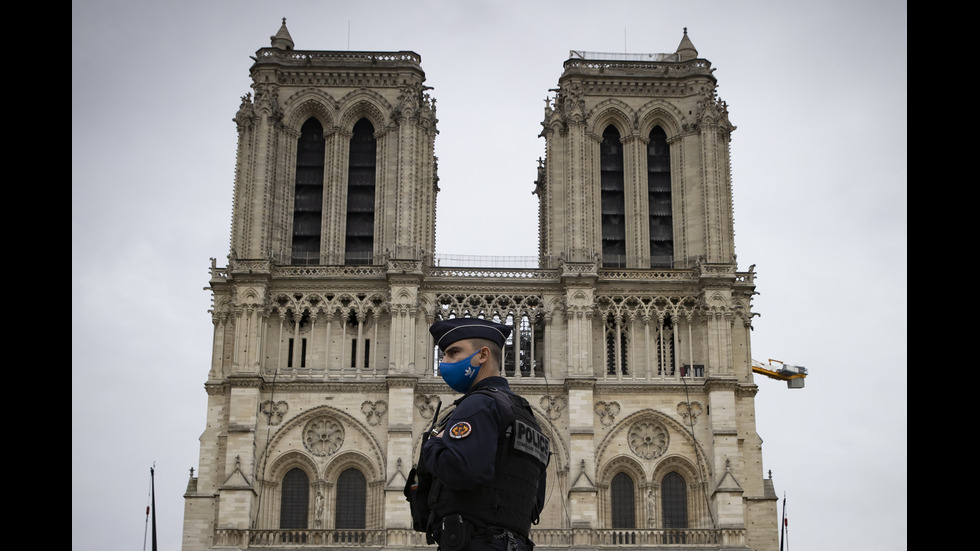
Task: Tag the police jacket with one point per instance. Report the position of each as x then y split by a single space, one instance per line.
489 465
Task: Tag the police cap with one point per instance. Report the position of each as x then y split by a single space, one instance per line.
446 332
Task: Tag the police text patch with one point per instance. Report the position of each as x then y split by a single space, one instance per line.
530 441
460 430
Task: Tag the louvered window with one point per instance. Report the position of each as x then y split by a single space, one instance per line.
613 199
308 199
361 172
661 213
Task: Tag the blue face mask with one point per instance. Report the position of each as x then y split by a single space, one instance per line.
459 375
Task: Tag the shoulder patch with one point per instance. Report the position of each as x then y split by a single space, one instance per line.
531 441
460 430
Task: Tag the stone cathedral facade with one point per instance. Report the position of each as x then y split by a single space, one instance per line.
631 336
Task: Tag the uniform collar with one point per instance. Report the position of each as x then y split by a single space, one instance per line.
496 382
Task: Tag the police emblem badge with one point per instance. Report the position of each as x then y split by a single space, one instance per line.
460 430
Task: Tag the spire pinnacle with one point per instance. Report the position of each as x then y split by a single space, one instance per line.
282 40
686 50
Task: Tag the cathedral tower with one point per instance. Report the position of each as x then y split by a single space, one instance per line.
631 339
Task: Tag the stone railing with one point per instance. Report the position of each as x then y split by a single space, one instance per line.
305 56
496 273
329 271
316 538
647 274
696 66
543 538
218 273
638 538
745 277
613 56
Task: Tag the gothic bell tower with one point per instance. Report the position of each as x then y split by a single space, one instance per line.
317 335
635 204
637 169
335 158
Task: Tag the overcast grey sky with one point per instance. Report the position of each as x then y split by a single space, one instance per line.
819 164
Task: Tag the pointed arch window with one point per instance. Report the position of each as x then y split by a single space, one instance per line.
659 194
623 502
674 501
351 500
361 174
666 360
308 196
295 500
617 346
613 199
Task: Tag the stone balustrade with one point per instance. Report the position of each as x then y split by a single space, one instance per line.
543 539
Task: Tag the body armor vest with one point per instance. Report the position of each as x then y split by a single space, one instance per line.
510 500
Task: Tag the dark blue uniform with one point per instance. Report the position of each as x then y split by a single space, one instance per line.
464 458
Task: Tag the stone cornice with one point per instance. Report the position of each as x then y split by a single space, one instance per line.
332 387
632 70
325 288
712 384
244 381
337 79
529 386
580 383
216 388
612 388
402 381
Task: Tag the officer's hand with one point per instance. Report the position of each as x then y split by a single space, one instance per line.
440 434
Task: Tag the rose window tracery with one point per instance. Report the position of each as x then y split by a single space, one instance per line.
323 436
648 440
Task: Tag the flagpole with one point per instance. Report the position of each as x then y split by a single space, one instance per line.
153 503
782 531
146 523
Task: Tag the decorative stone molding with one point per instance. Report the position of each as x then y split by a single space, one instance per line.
329 271
323 436
648 440
374 411
637 306
553 405
715 384
397 381
607 412
216 389
244 381
274 411
648 274
690 410
426 404
248 266
617 388
580 383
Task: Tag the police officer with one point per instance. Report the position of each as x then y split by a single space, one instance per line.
489 462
